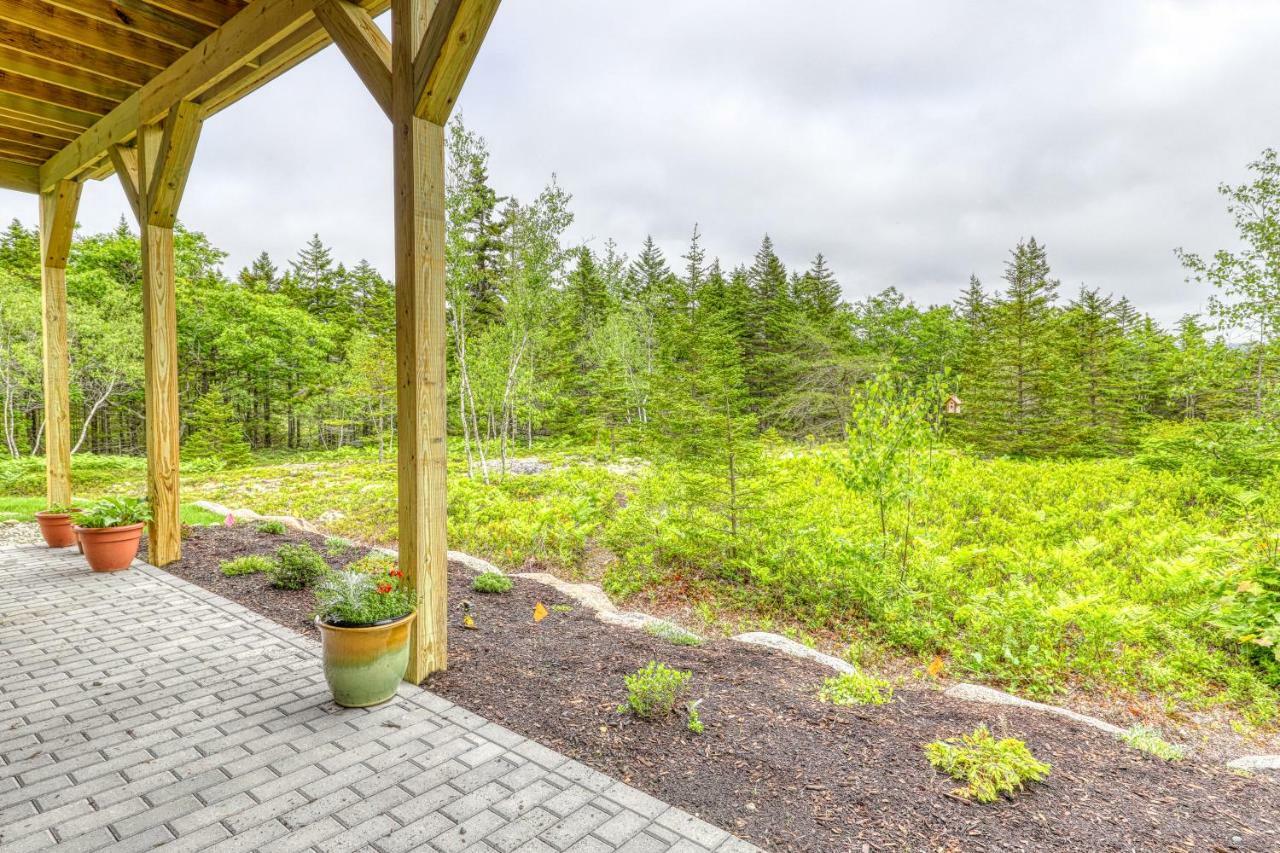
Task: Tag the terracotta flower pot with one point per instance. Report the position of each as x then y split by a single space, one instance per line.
110 549
56 528
364 664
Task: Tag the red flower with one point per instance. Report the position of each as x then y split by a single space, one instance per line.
396 573
384 588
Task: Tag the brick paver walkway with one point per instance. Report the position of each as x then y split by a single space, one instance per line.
138 711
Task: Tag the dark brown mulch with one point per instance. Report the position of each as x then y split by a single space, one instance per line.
779 768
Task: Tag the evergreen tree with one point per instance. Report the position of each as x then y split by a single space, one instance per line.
214 431
261 275
817 292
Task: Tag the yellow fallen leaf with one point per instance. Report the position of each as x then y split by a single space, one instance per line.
935 666
468 622
539 612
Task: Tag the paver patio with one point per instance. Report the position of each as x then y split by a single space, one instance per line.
139 712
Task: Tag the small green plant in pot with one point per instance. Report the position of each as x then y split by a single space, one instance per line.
55 526
110 531
364 618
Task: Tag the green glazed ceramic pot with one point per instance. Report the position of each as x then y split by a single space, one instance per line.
364 664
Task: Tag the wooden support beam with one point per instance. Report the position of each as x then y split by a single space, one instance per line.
22 177
73 26
71 56
448 49
418 169
142 18
163 160
57 224
125 160
363 44
50 93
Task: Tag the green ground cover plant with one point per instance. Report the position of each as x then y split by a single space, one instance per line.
491 582
654 690
249 565
987 766
672 633
274 528
1148 739
856 688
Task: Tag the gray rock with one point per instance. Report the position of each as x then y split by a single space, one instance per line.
1255 762
991 696
777 642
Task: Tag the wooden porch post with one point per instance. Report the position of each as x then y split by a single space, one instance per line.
416 79
57 223
418 169
154 176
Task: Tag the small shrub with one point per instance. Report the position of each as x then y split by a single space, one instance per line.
987 766
1148 739
246 566
275 528
673 634
695 720
495 582
296 567
336 546
856 688
653 690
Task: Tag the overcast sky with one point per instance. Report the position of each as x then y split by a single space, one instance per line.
911 142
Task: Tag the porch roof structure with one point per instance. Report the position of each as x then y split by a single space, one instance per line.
91 88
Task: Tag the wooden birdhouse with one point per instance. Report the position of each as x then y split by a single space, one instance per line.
952 406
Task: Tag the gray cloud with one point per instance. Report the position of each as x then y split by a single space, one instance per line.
912 142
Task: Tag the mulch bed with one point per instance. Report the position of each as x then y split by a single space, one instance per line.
775 766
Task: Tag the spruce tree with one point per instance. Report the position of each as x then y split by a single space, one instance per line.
214 431
261 276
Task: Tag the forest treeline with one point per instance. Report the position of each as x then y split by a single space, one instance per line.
597 344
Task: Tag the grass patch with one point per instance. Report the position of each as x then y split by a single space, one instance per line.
987 766
1147 739
856 688
673 634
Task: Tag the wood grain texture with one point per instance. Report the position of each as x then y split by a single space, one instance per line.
22 177
160 351
125 160
418 170
82 29
168 176
57 225
363 44
443 62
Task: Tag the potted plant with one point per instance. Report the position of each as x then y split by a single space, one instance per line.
55 526
364 614
110 530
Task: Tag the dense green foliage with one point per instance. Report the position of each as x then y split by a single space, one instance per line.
987 766
1099 512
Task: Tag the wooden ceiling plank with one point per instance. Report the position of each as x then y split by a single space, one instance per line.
39 155
43 141
214 13
51 94
69 53
33 108
21 121
62 75
46 18
140 17
259 27
22 177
